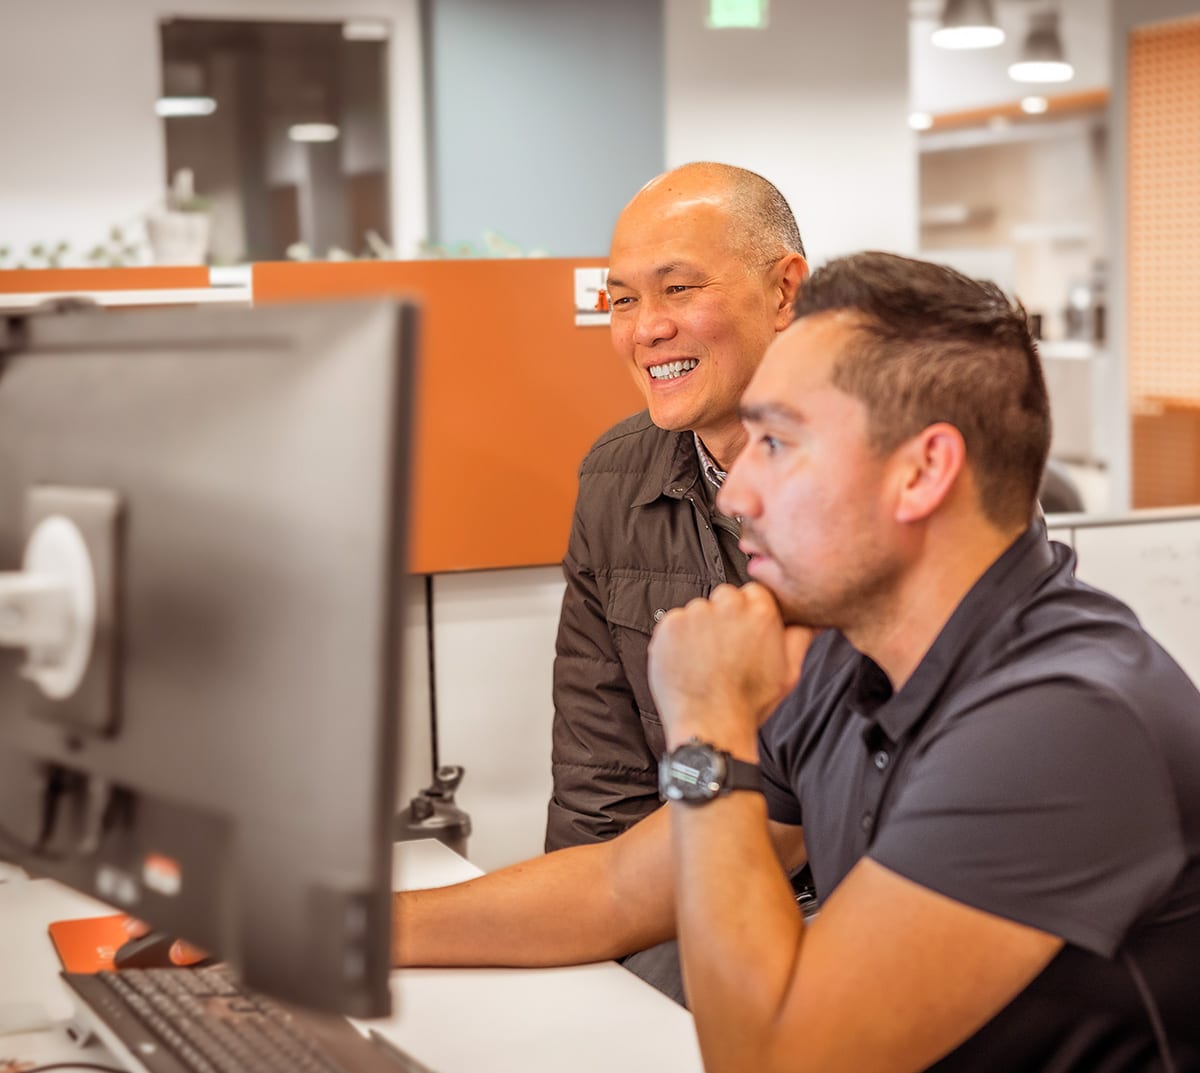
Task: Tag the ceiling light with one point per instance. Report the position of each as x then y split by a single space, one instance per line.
920 120
1042 57
968 24
313 132
172 107
1034 105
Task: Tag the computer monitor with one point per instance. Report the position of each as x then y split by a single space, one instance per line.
222 495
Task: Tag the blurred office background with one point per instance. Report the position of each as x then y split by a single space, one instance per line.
416 128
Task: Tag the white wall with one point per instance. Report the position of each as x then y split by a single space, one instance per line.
82 149
494 652
817 102
78 155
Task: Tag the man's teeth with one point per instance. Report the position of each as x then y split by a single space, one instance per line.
672 369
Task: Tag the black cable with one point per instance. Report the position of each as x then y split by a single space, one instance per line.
19 849
14 336
432 668
1160 1032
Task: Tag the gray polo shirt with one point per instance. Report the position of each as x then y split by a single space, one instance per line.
1043 764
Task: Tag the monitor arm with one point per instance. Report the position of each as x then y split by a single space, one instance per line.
62 606
49 607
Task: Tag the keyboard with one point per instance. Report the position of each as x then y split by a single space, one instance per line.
201 1020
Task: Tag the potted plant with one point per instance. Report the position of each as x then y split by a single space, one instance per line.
179 233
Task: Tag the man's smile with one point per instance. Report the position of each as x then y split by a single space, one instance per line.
672 370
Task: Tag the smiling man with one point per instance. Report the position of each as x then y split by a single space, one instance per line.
993 770
704 265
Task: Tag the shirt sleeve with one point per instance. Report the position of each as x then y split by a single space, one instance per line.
1050 805
787 738
783 806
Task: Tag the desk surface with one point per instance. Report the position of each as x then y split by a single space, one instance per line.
583 1019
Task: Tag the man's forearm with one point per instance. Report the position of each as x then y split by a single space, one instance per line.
740 930
587 903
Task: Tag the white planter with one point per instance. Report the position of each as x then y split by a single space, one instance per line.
178 238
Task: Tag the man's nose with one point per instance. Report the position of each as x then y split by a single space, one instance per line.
734 499
653 323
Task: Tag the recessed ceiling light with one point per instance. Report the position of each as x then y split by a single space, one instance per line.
1034 105
920 120
313 132
173 107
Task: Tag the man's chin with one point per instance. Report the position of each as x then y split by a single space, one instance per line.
798 614
792 614
669 420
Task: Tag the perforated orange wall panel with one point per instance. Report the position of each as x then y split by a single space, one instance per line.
1164 212
1163 267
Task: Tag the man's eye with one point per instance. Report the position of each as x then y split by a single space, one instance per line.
622 301
678 288
770 444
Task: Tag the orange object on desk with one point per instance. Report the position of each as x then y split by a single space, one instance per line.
89 943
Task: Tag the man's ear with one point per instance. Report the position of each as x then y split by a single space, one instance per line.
792 271
927 467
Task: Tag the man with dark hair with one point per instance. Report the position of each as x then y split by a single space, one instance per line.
991 767
703 268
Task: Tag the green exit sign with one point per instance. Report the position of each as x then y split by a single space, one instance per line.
737 14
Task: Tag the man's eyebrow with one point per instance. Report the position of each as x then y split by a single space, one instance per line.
660 271
765 411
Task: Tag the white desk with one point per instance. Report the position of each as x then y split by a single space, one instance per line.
589 1019
32 997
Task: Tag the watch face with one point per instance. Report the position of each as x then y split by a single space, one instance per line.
692 773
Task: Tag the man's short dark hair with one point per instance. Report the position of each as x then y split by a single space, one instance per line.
935 345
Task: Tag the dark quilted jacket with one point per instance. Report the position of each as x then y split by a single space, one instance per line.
641 543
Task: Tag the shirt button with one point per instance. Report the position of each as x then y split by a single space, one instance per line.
660 614
881 759
866 822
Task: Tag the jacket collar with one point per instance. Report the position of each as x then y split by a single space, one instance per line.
675 470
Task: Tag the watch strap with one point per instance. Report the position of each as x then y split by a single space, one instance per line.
741 775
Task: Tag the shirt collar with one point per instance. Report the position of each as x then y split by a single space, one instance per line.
708 465
1014 572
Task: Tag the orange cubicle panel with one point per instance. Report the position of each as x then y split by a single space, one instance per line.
512 393
65 280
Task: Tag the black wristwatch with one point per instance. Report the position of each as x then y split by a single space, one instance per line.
697 772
